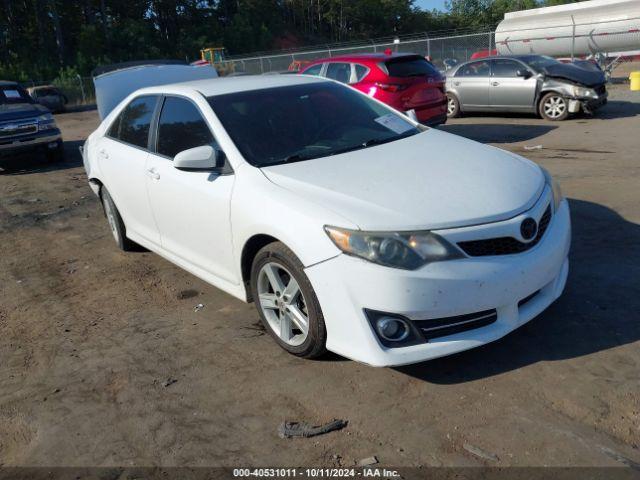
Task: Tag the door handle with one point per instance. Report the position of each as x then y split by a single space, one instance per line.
103 154
153 174
495 84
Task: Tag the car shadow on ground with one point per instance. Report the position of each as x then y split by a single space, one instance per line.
37 162
597 311
498 132
618 109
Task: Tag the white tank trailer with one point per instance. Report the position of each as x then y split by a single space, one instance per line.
577 29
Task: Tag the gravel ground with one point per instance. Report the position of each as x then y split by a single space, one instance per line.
103 360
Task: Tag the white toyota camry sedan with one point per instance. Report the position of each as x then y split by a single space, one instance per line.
351 227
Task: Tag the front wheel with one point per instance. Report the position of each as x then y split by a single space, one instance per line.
453 106
286 302
56 154
554 107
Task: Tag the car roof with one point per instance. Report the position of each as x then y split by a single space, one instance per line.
223 85
359 57
498 57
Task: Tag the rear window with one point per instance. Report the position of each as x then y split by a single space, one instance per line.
132 125
14 94
410 67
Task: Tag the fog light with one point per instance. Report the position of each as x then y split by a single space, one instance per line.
392 329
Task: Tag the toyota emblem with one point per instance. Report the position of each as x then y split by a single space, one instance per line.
528 228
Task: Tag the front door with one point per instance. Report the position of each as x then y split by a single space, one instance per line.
191 208
508 90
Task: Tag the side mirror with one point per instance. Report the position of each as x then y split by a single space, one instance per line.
199 158
523 73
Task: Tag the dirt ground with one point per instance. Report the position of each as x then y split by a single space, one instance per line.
103 360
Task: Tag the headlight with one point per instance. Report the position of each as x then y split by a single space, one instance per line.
583 92
46 122
406 250
555 189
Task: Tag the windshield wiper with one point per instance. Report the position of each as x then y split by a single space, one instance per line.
297 158
372 142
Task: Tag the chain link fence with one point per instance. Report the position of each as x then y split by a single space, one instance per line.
444 51
448 50
452 47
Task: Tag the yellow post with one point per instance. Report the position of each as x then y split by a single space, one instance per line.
635 81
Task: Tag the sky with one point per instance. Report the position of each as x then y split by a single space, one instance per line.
430 4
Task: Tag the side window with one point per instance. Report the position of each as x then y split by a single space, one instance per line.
114 129
361 72
474 69
314 70
132 126
505 68
181 127
339 71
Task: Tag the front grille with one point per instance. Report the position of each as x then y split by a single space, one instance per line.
16 129
441 327
505 245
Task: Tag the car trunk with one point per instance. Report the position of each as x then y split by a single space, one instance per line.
419 82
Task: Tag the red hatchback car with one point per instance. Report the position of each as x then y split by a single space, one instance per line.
406 82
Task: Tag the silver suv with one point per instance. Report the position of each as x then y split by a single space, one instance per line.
527 83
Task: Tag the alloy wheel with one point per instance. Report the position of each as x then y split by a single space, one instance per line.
554 107
451 105
283 303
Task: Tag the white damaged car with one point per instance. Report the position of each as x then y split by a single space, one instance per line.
351 227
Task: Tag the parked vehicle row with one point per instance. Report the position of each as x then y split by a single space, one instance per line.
353 229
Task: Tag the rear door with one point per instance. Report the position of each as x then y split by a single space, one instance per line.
471 84
191 208
339 71
507 90
122 155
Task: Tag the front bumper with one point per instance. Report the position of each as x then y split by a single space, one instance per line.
432 114
40 140
345 286
587 104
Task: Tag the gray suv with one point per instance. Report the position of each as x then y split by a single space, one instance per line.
527 83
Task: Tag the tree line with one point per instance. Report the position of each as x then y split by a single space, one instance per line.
41 39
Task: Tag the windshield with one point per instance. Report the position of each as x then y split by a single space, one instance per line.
539 62
13 94
301 122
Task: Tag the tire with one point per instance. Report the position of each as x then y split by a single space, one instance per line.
553 107
453 106
279 310
116 225
57 154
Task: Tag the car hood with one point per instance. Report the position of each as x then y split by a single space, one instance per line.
18 111
432 180
573 73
